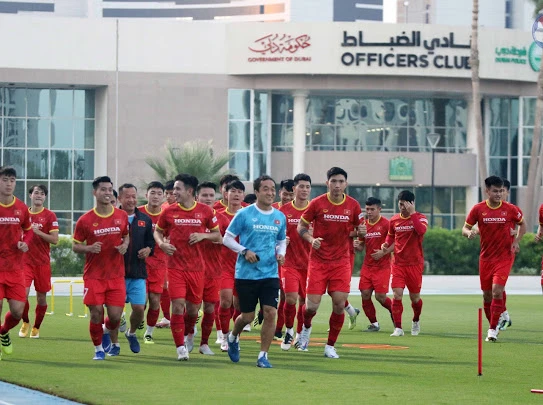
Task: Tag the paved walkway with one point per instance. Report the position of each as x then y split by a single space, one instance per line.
14 395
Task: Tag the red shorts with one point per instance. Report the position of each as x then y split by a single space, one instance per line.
155 280
186 284
40 275
294 280
494 272
335 277
409 276
227 280
374 278
212 289
12 286
109 292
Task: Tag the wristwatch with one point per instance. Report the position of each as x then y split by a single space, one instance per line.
243 252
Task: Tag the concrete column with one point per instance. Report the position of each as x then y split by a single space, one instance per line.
298 145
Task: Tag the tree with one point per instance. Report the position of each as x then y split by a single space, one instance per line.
536 154
476 95
196 158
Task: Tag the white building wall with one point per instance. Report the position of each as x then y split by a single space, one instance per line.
311 10
458 12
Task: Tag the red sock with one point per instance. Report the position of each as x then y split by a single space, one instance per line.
9 323
224 314
504 301
165 303
217 317
40 314
397 311
232 310
346 303
236 314
369 310
308 317
417 309
388 304
152 316
177 325
190 321
25 312
496 309
96 333
110 325
336 323
289 314
207 327
300 318
487 310
280 317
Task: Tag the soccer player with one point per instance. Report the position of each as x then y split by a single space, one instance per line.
286 193
495 218
114 198
333 215
375 271
140 248
16 231
101 235
294 271
234 192
250 199
185 223
262 244
37 261
156 263
405 233
222 203
165 301
168 192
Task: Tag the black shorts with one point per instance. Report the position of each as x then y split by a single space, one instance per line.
251 291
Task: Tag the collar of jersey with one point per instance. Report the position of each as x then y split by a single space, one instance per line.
488 205
10 204
402 217
299 209
378 219
231 213
35 213
222 203
148 212
188 209
104 216
331 202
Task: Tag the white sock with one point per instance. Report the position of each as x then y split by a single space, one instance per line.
290 331
106 330
150 330
116 344
231 337
265 354
98 348
375 324
350 310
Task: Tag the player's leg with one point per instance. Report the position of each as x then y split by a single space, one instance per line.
352 312
290 282
337 317
138 298
194 298
365 286
398 285
42 285
280 316
115 297
226 302
28 279
414 284
165 304
268 301
210 297
152 315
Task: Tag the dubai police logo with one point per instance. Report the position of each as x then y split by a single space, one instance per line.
537 30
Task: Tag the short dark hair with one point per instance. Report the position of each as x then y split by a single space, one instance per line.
301 177
188 180
406 195
102 179
8 171
42 187
227 178
507 184
493 181
287 184
250 198
115 194
237 184
334 171
169 185
126 185
258 181
206 184
373 201
155 184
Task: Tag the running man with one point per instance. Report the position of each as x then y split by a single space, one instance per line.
165 301
37 261
16 231
222 203
101 235
495 218
262 245
333 215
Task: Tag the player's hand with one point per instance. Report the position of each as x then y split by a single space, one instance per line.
377 254
410 207
384 246
514 232
122 248
538 237
362 230
515 248
288 240
250 256
35 227
96 247
195 238
280 259
316 244
22 246
167 248
144 253
356 243
473 233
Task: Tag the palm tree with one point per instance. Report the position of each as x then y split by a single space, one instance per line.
196 158
536 154
476 95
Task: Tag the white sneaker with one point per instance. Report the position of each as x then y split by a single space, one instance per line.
182 353
189 342
330 352
397 332
415 328
296 342
224 343
219 337
247 328
304 339
164 323
492 335
287 341
204 349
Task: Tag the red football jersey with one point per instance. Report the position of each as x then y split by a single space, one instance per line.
110 230
212 251
229 257
179 223
277 205
333 223
541 215
297 256
159 259
14 218
495 228
220 205
375 237
407 242
39 250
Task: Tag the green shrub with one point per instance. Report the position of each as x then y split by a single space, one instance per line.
64 262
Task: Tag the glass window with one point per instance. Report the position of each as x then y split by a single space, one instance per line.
239 135
20 189
239 104
387 196
261 107
83 134
15 103
260 137
282 109
14 132
323 137
529 111
60 195
240 163
61 164
62 133
83 165
321 110
37 164
499 142
62 103
459 200
64 222
498 167
83 198
38 133
282 137
259 161
317 190
15 158
83 104
38 103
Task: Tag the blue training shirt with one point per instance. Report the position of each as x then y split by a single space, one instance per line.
259 232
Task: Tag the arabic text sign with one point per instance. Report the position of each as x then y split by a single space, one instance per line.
280 48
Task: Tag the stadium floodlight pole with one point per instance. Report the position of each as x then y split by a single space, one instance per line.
433 140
